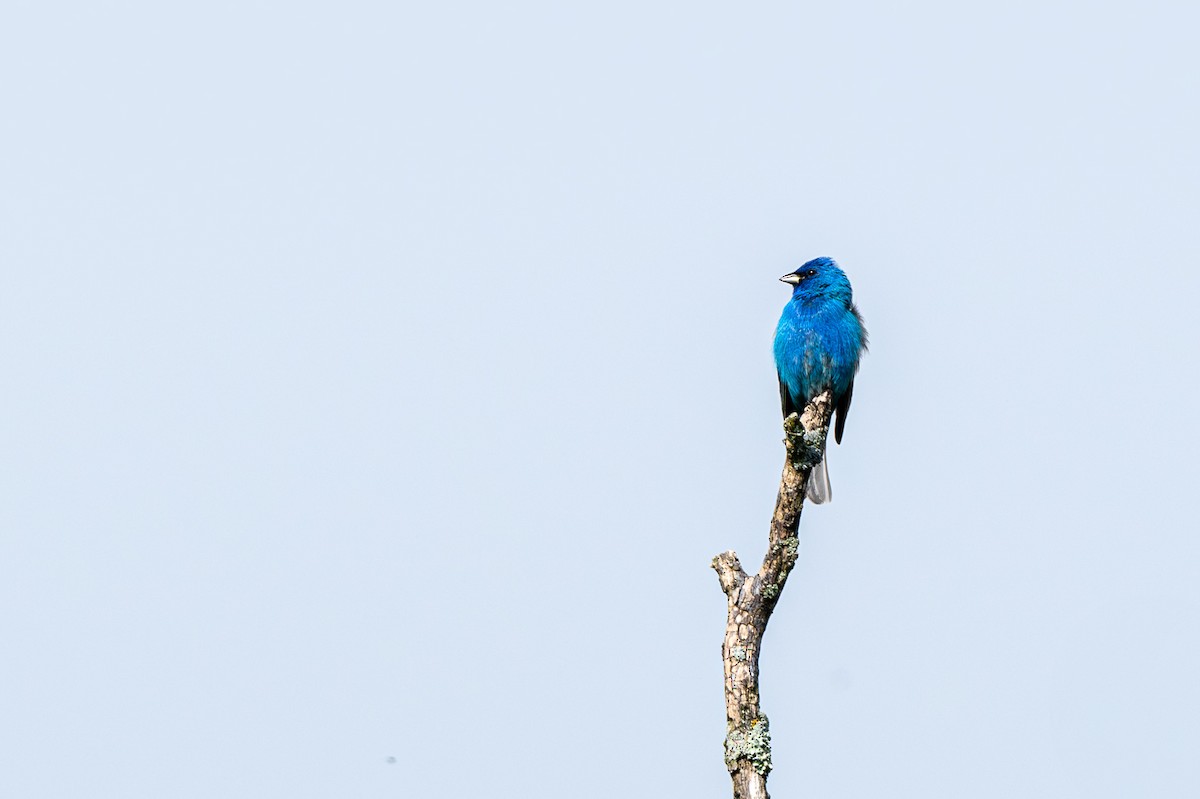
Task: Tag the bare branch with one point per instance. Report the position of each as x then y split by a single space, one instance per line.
752 599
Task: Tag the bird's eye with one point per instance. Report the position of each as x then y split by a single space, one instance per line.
812 272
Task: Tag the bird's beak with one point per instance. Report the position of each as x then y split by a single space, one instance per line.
794 279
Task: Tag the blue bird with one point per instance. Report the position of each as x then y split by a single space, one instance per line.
818 343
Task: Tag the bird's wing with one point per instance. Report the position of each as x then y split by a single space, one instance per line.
843 407
785 398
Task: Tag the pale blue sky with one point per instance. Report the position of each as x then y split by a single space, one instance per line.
380 380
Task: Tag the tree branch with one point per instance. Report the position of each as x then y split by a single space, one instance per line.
751 599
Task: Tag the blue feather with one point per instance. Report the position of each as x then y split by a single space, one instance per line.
818 344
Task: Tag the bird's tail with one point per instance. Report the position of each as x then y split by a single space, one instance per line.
819 491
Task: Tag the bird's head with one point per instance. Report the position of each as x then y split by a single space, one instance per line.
820 278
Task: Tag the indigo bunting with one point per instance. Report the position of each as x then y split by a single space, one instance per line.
818 343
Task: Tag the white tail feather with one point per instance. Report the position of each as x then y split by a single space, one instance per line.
819 491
